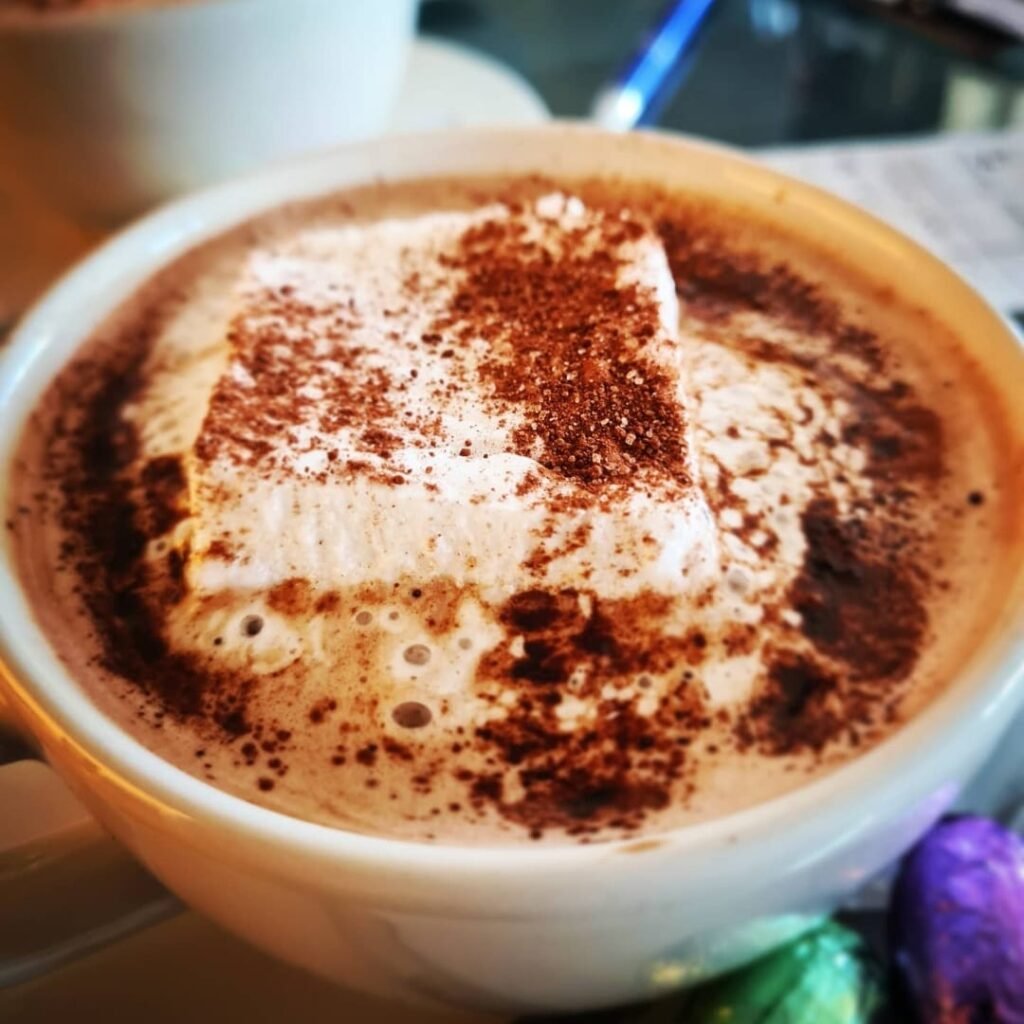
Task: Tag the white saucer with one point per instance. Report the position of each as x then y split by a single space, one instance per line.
448 86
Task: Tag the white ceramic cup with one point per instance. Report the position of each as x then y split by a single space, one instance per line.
108 111
521 928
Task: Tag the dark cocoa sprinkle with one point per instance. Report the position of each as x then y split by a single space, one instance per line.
614 774
395 750
164 499
486 787
902 439
975 498
566 347
232 719
796 708
530 482
716 279
382 443
221 550
320 710
859 595
265 784
292 597
329 602
244 422
367 755
111 523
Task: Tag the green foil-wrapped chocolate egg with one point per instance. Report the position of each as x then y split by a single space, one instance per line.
825 977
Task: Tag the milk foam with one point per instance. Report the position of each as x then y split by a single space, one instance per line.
384 604
300 513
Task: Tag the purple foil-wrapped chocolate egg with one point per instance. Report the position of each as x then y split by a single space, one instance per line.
957 921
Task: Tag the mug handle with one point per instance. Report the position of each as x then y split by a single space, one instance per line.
66 888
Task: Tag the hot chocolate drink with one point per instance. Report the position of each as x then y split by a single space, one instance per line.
513 510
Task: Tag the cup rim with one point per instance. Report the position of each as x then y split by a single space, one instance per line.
979 701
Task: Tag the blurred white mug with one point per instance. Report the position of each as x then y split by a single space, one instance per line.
109 106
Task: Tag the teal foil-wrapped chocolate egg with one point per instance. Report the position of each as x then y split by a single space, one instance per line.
825 977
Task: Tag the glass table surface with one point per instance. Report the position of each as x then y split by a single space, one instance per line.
761 72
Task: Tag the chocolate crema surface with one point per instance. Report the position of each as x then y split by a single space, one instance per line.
488 511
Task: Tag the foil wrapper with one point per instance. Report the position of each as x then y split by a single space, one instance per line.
957 924
825 977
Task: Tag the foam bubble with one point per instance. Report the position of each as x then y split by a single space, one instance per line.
417 654
412 714
252 625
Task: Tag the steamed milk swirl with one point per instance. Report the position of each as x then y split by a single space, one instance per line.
518 510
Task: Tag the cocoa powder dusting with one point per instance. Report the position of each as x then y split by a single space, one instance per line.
716 279
614 769
285 350
859 597
566 347
111 522
861 610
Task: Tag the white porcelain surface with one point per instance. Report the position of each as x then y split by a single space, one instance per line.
508 928
110 112
449 86
443 86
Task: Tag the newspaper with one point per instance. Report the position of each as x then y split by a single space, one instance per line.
961 196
